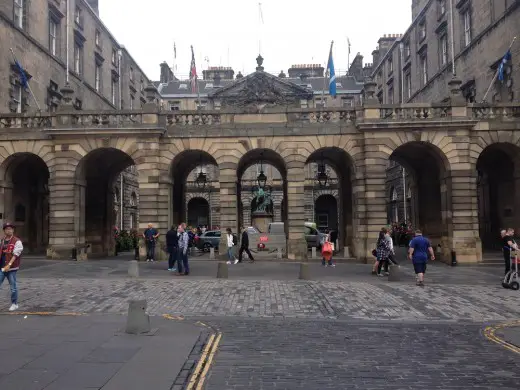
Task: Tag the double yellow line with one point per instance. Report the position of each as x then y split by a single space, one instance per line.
201 370
489 333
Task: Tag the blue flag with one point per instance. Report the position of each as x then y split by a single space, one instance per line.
24 80
506 58
332 75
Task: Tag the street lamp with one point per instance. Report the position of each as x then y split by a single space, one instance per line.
201 179
322 177
262 178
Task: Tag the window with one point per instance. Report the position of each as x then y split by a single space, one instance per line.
391 95
114 57
78 19
424 69
113 92
407 49
17 98
422 30
408 85
338 85
442 7
132 101
467 27
52 97
183 86
78 54
132 74
78 104
53 36
98 73
175 105
133 199
444 49
208 86
19 13
390 66
97 39
394 195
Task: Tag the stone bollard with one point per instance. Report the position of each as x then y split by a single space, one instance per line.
137 321
212 253
279 253
313 252
133 269
394 273
346 252
222 271
304 272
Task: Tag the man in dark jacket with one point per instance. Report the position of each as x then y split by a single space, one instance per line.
172 243
244 246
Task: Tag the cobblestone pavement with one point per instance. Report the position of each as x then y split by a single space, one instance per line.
289 354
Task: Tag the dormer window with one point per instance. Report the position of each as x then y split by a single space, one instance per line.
183 86
339 85
209 86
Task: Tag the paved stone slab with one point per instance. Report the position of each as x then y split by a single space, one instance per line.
313 354
92 352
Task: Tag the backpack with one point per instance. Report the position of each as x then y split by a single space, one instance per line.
235 240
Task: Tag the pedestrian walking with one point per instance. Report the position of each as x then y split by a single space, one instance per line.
244 246
508 245
11 249
230 239
183 267
150 238
172 245
326 250
384 251
420 248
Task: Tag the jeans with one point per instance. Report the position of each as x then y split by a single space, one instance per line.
11 277
507 259
382 262
323 261
150 250
241 251
230 254
174 255
182 262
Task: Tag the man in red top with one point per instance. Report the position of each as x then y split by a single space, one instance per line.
10 254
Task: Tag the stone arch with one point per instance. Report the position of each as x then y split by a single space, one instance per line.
24 198
9 150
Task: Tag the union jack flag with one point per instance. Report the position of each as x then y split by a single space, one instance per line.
193 72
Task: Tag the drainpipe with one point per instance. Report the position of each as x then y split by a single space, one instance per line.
121 210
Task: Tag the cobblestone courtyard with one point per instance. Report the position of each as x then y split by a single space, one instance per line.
345 329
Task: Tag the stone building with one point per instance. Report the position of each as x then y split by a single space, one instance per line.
102 74
417 67
457 147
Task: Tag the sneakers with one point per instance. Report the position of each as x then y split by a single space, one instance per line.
13 307
228 262
172 269
236 261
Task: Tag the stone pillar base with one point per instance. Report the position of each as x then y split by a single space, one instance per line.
65 253
468 250
297 249
359 250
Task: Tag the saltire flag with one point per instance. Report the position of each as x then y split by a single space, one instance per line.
193 72
501 67
332 74
174 51
348 41
22 74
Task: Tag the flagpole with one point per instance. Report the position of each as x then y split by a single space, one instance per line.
496 73
261 22
326 76
195 76
67 27
27 83
348 56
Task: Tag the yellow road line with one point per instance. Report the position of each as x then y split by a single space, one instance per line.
489 333
40 313
208 363
198 368
170 317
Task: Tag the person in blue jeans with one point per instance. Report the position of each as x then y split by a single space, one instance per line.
10 255
420 248
150 237
183 267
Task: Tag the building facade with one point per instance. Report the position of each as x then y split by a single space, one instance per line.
102 73
453 153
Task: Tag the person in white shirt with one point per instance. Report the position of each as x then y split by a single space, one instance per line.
230 245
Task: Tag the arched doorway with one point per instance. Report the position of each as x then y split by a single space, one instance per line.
198 212
24 178
330 170
326 213
99 200
498 189
195 175
421 168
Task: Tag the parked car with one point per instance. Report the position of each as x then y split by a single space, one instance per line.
312 235
210 239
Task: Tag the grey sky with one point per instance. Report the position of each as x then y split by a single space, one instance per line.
227 31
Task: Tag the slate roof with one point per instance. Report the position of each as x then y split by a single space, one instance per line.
182 88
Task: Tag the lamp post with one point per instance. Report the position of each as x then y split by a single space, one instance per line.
261 178
322 177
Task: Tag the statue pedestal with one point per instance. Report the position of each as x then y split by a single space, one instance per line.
261 220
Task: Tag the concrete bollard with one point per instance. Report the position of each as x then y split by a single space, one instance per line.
279 253
313 252
304 272
346 252
137 321
222 271
212 253
394 273
133 269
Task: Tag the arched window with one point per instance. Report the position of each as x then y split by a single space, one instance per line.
116 195
133 199
409 193
394 195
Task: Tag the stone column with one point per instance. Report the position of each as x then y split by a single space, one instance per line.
464 230
6 201
66 208
228 204
296 243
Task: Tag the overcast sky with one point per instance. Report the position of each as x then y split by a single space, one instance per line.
228 32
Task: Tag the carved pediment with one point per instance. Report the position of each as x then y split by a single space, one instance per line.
259 90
